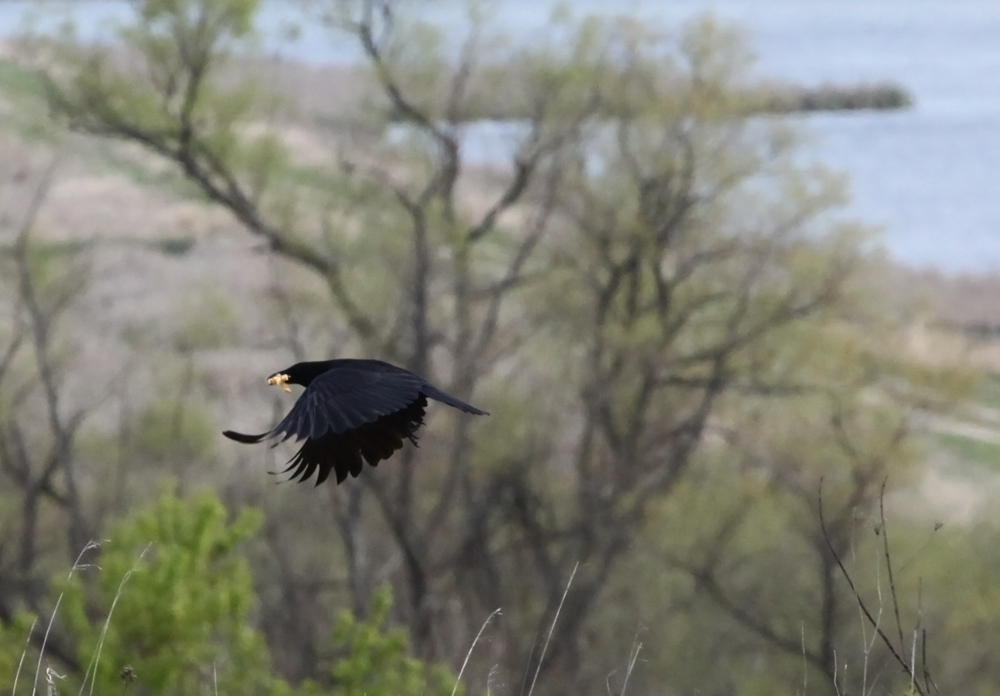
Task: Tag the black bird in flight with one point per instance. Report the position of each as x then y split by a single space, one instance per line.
352 411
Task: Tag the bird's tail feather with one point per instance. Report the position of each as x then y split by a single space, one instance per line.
245 439
438 395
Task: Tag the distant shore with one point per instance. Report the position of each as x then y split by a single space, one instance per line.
508 104
782 99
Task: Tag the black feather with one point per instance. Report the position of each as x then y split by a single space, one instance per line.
352 412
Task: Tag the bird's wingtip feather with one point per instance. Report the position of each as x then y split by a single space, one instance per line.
434 393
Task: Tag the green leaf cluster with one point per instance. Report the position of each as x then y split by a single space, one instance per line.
170 595
375 660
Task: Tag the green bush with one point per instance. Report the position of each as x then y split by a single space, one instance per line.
170 595
172 599
376 661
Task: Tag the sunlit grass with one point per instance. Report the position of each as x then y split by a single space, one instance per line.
988 393
18 81
970 450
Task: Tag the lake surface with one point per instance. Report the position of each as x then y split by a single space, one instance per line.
928 175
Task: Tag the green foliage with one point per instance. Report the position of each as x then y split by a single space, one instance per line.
22 108
972 451
958 568
14 652
16 81
184 48
376 660
170 594
58 272
210 21
172 598
988 393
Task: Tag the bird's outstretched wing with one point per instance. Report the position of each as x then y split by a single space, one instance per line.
347 398
345 453
341 400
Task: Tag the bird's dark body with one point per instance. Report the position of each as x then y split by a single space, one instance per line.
352 411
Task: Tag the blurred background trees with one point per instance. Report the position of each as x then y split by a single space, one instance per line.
678 336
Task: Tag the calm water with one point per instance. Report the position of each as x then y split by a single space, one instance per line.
929 175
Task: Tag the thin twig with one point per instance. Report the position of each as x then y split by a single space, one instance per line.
888 563
868 645
928 682
850 582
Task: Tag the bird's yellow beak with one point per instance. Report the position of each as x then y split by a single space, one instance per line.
279 381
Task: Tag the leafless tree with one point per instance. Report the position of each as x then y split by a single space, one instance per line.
38 428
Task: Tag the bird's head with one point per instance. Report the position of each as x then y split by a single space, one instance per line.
302 373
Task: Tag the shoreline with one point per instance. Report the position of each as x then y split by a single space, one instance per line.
767 98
